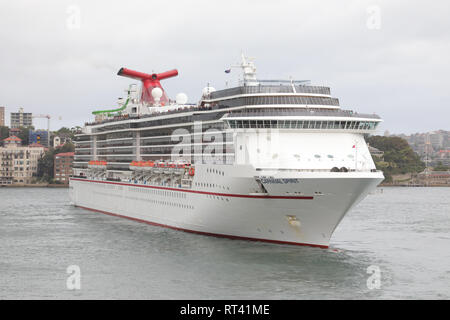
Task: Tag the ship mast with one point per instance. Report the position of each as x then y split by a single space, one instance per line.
249 70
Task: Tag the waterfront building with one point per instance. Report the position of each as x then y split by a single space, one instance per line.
437 178
2 116
18 164
63 166
21 119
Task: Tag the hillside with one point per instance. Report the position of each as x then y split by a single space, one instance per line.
398 158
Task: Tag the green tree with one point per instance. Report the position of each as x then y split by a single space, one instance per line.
441 167
24 134
65 132
4 132
399 158
46 162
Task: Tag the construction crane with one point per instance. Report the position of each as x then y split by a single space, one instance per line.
48 125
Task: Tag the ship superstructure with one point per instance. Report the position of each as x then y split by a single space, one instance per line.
275 161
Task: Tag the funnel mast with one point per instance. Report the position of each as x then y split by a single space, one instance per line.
149 82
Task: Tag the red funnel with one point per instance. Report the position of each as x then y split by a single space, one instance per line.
149 81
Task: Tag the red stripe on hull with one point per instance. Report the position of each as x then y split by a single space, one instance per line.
206 233
199 192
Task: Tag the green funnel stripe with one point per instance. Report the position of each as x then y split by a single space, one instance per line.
112 110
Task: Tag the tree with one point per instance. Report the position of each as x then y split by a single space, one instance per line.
4 133
441 167
46 162
399 158
24 134
65 132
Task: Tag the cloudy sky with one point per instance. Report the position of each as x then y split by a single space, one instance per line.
388 57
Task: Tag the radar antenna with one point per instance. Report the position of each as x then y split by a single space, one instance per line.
249 70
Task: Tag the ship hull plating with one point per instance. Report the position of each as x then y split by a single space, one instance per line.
233 209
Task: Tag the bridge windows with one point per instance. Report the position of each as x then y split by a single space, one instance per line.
302 124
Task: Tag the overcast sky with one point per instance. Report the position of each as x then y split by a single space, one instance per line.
388 57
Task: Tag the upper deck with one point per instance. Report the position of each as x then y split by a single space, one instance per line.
252 100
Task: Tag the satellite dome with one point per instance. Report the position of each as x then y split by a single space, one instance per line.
207 90
157 93
181 98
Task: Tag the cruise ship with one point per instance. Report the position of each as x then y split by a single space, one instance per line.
267 160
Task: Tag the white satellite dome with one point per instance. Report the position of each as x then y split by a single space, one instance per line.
207 90
157 93
181 98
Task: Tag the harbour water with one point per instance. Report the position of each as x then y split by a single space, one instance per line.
402 232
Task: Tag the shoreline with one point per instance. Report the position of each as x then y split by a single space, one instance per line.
49 185
413 185
34 185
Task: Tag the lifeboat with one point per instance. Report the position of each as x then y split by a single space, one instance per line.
170 168
159 167
133 165
96 164
148 166
180 168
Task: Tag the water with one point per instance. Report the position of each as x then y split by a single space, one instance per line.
405 232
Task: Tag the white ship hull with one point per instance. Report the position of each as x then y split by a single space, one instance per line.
301 208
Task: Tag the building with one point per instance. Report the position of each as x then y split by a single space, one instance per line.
14 132
2 116
56 142
439 178
38 136
63 166
430 146
18 164
60 140
21 119
376 152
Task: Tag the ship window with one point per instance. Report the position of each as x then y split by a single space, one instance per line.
280 124
317 156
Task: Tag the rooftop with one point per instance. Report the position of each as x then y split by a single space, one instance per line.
12 138
36 145
65 154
